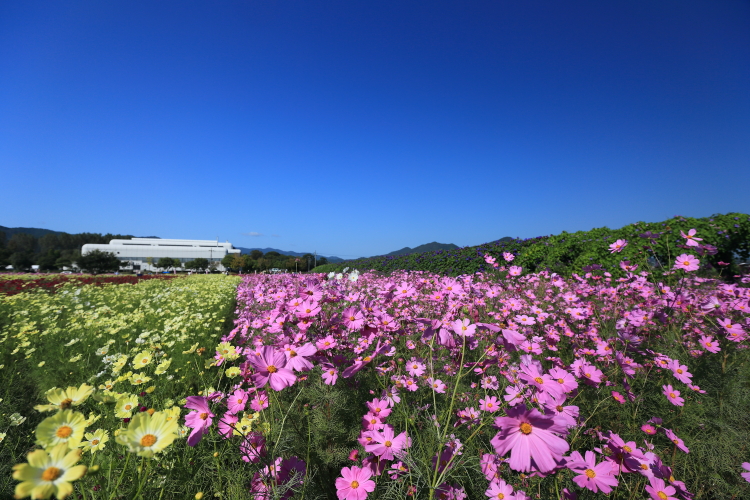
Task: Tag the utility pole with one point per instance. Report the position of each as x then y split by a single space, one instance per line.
316 258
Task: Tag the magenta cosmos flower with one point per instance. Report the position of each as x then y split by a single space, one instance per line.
593 476
199 420
354 484
385 443
617 246
531 438
270 367
687 262
673 395
692 241
659 490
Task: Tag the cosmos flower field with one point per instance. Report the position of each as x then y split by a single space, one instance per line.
501 384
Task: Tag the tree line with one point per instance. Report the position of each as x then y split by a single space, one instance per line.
257 261
51 252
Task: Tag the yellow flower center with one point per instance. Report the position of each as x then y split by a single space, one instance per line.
94 442
355 485
292 354
272 369
63 432
239 401
51 473
144 361
148 440
671 395
539 380
590 473
500 496
128 406
203 416
679 371
65 403
662 495
560 381
387 444
526 428
367 359
627 448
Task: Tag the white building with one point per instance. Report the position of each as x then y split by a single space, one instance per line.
138 252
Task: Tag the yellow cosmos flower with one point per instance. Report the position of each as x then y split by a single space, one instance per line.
191 350
125 405
95 440
172 413
162 367
227 351
232 372
142 359
65 427
148 434
139 378
244 426
106 396
48 473
62 399
120 363
107 385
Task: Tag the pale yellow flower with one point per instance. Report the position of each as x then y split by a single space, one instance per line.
48 473
95 440
62 399
142 359
65 427
148 434
125 405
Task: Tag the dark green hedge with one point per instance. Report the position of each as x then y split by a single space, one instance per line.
649 244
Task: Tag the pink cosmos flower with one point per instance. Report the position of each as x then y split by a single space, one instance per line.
259 401
618 397
270 367
253 447
673 395
532 439
237 401
199 420
594 476
307 309
709 344
226 425
437 385
330 374
499 489
659 490
489 404
415 368
692 240
649 429
379 407
508 256
687 262
746 475
677 441
617 246
386 443
353 318
296 357
464 328
515 270
680 372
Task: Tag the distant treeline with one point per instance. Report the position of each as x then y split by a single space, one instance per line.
51 252
726 240
259 261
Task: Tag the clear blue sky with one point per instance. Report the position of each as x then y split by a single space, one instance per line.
357 128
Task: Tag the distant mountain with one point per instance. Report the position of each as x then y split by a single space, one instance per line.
33 231
427 247
288 252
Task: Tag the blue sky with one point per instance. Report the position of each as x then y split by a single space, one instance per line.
357 128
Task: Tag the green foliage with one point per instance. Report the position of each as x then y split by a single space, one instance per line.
568 253
199 264
97 261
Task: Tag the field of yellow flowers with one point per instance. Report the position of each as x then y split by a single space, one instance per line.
103 371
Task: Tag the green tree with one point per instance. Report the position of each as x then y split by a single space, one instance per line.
48 261
177 263
21 261
165 263
22 242
99 262
228 261
256 254
197 264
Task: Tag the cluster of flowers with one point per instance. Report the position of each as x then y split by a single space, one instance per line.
53 282
503 337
